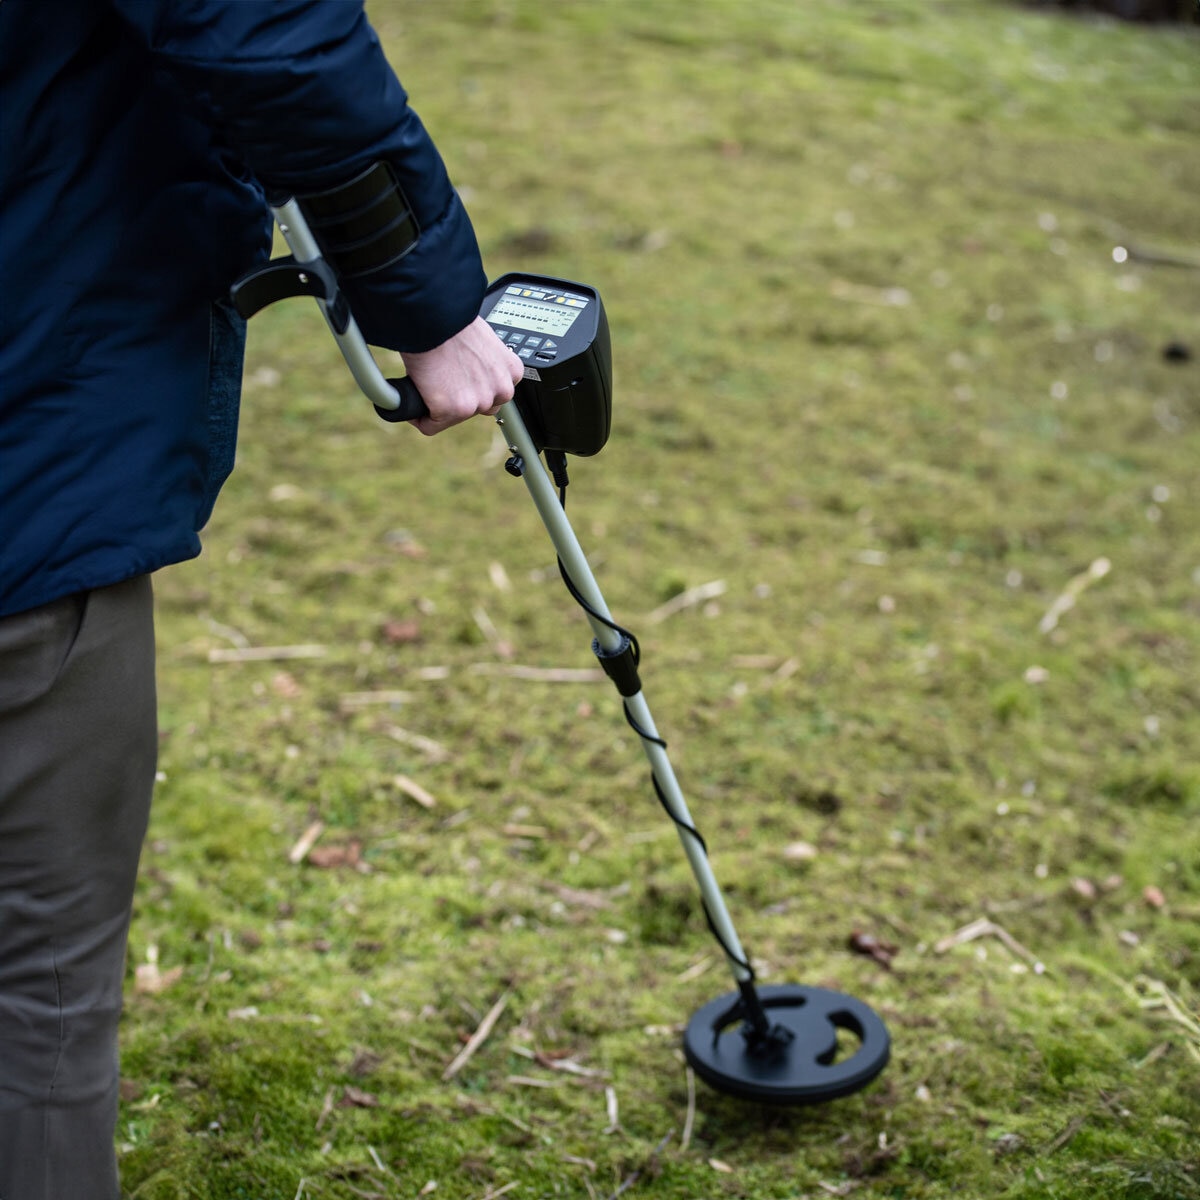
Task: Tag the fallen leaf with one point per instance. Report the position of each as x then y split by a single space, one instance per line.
404 543
873 947
348 854
148 980
353 1097
366 1062
1153 896
718 1165
283 683
401 633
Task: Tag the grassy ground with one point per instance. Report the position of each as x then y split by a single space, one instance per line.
879 373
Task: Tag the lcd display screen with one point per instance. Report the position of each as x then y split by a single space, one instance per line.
536 316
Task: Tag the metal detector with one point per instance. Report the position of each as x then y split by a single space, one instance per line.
777 1044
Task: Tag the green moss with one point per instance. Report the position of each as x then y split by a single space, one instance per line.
852 260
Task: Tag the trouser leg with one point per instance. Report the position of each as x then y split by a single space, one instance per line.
78 745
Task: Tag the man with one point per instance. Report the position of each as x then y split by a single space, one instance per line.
137 138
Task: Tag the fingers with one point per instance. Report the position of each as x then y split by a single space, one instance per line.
473 373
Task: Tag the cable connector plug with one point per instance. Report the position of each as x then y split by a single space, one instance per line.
556 460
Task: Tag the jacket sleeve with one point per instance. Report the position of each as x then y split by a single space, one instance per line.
303 94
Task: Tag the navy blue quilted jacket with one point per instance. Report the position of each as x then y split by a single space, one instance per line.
136 140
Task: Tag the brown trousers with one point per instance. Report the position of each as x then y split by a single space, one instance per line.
78 747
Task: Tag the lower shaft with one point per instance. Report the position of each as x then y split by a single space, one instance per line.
579 571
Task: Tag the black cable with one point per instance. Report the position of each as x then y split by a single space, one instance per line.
646 736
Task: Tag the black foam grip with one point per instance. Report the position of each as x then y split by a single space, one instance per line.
412 404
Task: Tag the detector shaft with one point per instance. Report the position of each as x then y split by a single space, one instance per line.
549 507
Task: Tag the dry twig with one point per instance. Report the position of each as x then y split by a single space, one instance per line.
540 674
690 1119
689 599
985 928
265 653
650 1162
1158 255
494 1195
414 791
299 852
1074 1125
354 701
1066 600
486 626
435 752
326 1109
477 1039
610 1104
1155 996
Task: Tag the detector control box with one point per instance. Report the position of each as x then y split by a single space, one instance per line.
559 330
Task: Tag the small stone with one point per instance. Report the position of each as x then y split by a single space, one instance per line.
797 852
1084 887
1007 1143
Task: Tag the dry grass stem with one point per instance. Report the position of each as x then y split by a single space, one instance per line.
651 1160
535 832
696 969
497 1192
326 1109
1159 998
1066 599
356 701
540 674
299 852
690 1119
266 653
435 752
492 635
610 1107
414 791
689 599
755 662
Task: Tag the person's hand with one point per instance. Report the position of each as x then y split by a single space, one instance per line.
472 373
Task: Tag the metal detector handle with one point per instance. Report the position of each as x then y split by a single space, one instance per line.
392 401
412 403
